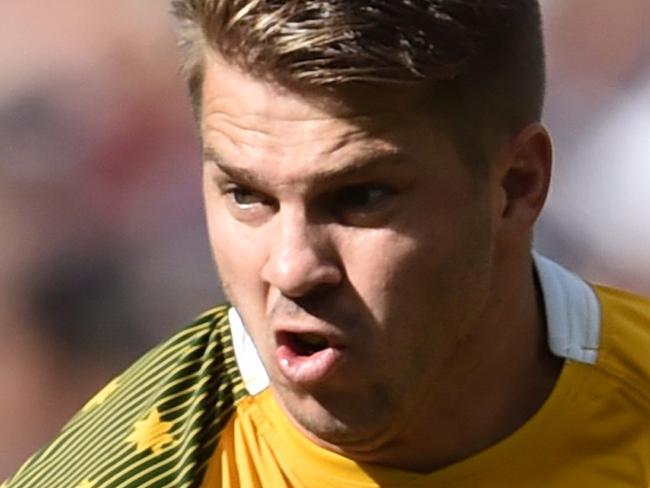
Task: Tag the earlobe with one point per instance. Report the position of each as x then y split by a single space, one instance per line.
525 176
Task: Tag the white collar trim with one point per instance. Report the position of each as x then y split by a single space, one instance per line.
250 365
572 314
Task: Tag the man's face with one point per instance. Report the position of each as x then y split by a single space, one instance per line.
355 244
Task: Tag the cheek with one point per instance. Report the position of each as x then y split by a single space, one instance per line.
418 272
237 254
378 277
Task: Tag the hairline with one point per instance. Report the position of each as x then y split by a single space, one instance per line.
473 141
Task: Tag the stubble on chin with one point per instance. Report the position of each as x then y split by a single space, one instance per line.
340 420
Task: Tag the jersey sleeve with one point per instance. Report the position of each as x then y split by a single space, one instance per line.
155 425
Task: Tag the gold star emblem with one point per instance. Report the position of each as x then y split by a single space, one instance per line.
151 433
86 484
102 396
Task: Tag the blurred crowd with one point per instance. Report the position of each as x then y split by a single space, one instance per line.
597 220
103 249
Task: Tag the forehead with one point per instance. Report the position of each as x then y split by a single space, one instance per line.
235 88
258 118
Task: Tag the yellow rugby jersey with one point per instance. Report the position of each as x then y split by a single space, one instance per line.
197 412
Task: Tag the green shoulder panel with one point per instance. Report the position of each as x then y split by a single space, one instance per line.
155 425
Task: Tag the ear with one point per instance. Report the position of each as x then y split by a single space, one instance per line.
523 178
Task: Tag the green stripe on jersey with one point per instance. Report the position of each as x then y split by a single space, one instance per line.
156 425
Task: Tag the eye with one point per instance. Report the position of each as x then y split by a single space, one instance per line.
245 197
248 205
365 205
362 197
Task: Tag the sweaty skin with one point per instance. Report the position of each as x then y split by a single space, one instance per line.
365 228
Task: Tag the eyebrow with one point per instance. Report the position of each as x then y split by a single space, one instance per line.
235 172
368 163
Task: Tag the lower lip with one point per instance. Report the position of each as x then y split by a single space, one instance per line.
307 370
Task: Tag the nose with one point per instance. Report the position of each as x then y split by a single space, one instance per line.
302 257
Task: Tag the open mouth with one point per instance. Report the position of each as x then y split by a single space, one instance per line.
305 344
307 358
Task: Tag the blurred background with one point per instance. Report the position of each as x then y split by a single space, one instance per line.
103 251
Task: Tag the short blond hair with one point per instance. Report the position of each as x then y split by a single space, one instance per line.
487 53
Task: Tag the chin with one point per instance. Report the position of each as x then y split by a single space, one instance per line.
337 423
